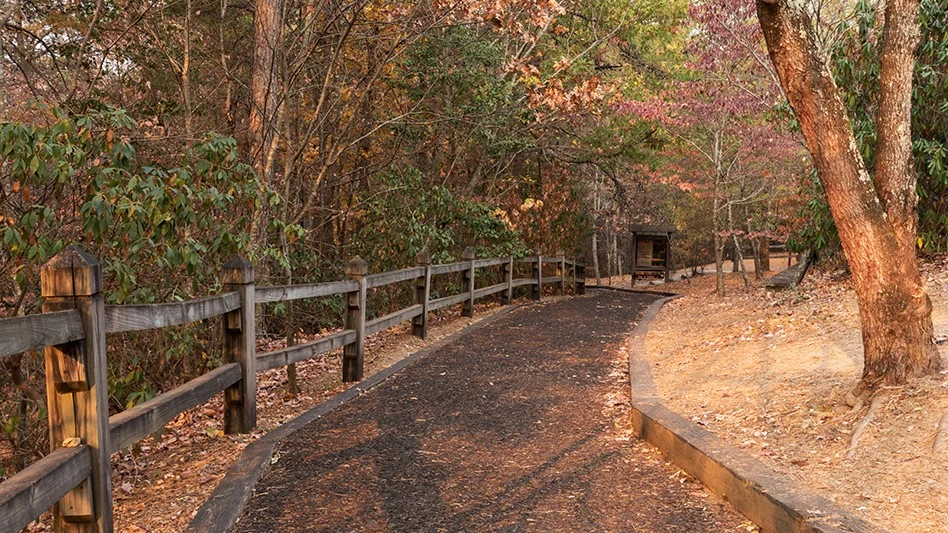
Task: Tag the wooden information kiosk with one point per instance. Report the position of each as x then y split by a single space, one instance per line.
651 250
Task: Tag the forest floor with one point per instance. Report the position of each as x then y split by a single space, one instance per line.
770 373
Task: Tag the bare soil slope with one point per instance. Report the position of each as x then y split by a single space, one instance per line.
770 373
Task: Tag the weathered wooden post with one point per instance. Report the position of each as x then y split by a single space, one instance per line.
538 278
467 282
507 270
419 324
240 399
572 273
292 386
353 355
561 266
77 387
635 259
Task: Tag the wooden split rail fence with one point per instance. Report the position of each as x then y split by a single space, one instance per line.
75 322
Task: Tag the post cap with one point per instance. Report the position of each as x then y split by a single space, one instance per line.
238 270
71 272
468 253
423 257
356 267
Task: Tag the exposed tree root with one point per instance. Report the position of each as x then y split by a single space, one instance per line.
941 435
856 399
878 400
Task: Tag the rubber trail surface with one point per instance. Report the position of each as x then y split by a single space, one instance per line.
521 425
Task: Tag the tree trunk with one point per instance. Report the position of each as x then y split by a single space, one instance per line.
263 82
595 254
719 241
763 251
738 255
267 26
597 205
615 254
186 77
755 255
875 220
719 263
608 242
754 239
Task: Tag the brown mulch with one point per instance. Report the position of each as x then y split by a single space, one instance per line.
521 425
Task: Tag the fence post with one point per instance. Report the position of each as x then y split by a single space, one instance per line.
507 269
77 386
353 355
292 387
240 399
467 283
572 274
419 324
538 278
561 266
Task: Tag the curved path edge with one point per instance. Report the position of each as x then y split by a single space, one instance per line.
773 501
225 505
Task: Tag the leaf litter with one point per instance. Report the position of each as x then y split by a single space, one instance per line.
770 373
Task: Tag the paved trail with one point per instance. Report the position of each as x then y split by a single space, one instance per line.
520 425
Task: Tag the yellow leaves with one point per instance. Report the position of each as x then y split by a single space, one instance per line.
530 203
504 217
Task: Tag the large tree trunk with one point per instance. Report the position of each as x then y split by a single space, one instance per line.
876 221
264 95
267 24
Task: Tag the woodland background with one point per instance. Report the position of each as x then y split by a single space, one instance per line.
165 136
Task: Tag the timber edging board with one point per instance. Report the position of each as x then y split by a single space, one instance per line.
773 501
226 504
791 276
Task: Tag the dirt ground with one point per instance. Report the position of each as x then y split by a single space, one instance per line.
770 372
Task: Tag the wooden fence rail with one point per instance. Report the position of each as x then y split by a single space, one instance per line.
26 333
72 329
125 318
